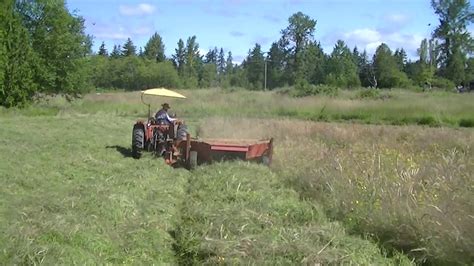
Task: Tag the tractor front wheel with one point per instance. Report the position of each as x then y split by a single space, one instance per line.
138 141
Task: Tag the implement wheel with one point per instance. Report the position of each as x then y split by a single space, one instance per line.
193 159
138 141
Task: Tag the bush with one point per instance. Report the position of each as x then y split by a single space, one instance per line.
368 94
372 94
428 120
303 88
442 83
132 73
466 122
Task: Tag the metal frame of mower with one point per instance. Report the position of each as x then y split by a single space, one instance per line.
189 152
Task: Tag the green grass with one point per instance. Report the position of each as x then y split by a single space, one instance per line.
409 188
254 219
71 194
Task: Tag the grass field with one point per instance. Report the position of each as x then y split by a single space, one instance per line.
337 193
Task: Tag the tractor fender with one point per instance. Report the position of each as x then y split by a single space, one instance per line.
139 124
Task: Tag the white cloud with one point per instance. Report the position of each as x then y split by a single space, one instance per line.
397 18
363 35
370 39
137 10
112 35
202 51
143 30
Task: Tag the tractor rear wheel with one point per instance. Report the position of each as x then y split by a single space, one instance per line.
138 141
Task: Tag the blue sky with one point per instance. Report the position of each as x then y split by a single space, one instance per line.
236 25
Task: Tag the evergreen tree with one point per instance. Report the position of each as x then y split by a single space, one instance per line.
155 48
129 49
366 71
211 56
386 70
192 63
342 70
254 66
401 58
280 60
229 65
179 58
356 57
102 50
221 62
314 63
207 76
116 52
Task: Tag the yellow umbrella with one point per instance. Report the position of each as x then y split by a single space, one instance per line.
163 92
160 92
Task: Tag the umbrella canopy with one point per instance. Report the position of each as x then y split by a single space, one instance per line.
163 92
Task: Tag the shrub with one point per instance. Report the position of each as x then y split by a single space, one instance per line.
466 122
428 120
442 83
368 94
303 88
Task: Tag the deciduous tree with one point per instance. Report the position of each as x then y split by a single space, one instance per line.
17 85
455 38
297 35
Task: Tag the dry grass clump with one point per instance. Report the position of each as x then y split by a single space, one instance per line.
409 187
240 213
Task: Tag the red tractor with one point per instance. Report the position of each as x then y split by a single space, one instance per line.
175 145
167 140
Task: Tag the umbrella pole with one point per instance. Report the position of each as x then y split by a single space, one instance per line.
149 108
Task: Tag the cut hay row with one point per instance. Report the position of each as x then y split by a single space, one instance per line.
242 213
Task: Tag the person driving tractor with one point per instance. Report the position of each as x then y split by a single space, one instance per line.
178 130
162 116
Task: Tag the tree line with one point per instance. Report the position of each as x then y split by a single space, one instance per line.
44 50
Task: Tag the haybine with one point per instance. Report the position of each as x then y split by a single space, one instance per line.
178 148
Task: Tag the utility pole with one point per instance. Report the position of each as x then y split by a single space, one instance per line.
265 79
265 87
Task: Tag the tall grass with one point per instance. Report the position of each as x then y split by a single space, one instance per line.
409 188
395 107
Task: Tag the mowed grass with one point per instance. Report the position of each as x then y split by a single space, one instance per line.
70 194
254 219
